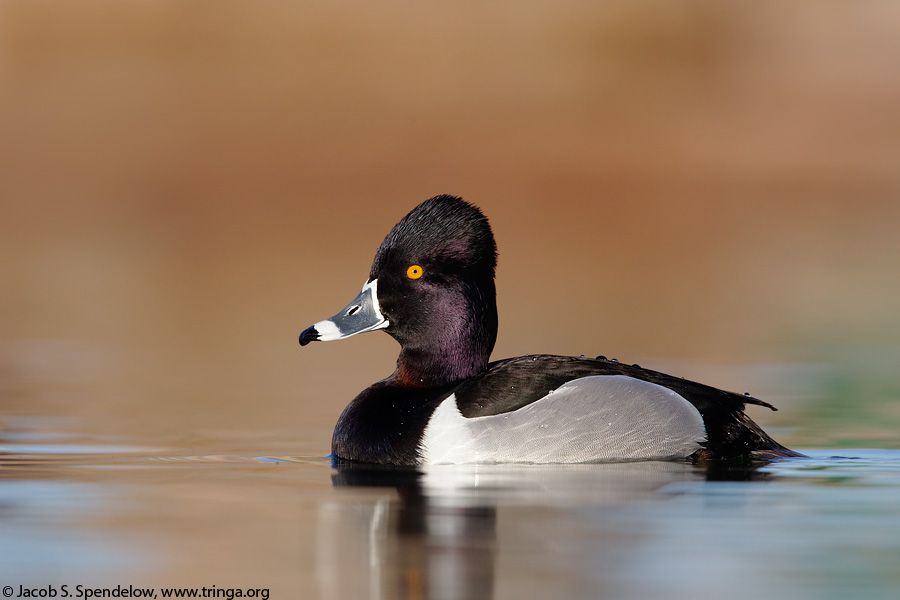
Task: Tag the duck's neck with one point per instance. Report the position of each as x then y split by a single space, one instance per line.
455 348
418 368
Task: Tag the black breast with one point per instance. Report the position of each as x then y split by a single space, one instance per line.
385 422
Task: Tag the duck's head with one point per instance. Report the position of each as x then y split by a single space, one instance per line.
431 287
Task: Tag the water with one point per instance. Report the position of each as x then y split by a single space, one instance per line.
101 516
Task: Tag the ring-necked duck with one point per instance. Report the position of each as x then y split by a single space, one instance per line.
431 287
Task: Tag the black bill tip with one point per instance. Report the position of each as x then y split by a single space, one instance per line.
310 335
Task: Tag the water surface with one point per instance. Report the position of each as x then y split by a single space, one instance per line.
826 526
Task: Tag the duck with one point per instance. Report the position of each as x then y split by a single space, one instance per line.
432 288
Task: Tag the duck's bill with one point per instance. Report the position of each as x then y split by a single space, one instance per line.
361 315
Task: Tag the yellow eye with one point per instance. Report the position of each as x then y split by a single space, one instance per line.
414 272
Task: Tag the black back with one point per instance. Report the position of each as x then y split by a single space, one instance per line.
510 384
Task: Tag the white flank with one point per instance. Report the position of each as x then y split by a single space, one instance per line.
598 418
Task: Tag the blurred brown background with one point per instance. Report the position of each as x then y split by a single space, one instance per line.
186 186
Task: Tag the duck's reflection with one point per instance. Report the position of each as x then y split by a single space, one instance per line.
433 533
412 545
